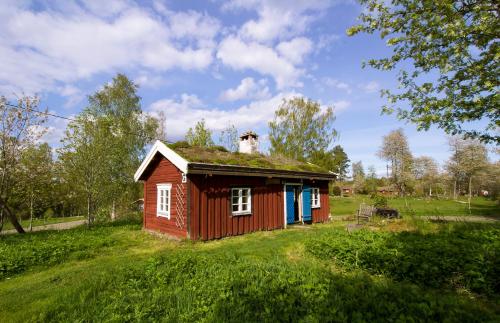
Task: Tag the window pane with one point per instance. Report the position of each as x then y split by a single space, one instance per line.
235 208
235 199
244 207
244 199
244 192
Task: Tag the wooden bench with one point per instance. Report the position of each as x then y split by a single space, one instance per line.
365 212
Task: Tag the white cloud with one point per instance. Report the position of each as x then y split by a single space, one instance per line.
277 19
341 105
185 113
336 84
295 49
42 48
150 80
72 94
247 89
370 87
242 55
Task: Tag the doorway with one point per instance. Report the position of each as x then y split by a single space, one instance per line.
293 202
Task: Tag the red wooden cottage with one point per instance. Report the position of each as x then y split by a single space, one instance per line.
209 193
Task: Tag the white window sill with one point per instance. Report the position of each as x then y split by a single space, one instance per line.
316 207
242 213
163 215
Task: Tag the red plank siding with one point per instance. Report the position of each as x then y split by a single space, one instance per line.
163 171
215 210
322 213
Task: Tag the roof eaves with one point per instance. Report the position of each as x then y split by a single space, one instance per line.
218 169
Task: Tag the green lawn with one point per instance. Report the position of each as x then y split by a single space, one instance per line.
38 222
390 271
420 206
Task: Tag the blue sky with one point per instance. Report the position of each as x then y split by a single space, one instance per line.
229 62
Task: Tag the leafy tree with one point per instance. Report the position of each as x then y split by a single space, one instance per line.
229 138
83 160
334 160
35 179
371 180
105 144
395 150
452 50
340 161
358 177
200 136
468 158
20 126
425 170
300 129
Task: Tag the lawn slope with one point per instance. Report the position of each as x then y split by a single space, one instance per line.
387 272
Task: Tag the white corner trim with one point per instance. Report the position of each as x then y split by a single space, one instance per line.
168 153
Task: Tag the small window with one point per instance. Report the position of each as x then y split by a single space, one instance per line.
315 201
163 200
241 201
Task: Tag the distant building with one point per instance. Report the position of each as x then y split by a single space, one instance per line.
387 191
346 190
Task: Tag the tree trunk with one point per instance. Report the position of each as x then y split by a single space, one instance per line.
455 190
1 219
13 219
113 214
31 212
430 190
88 211
470 191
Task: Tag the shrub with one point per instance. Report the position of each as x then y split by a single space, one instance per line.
192 287
379 201
460 258
336 190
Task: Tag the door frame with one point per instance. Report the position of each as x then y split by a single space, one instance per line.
299 204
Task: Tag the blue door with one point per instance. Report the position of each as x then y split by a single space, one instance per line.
290 199
306 203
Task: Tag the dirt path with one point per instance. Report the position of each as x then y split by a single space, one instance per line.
468 218
448 218
54 226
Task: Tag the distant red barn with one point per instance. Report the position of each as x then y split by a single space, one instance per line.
209 193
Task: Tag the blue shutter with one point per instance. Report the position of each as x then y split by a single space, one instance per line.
290 212
306 203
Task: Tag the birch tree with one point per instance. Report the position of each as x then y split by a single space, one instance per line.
20 126
35 179
300 128
468 158
396 151
200 136
229 138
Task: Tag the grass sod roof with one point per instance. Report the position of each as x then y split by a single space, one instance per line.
218 155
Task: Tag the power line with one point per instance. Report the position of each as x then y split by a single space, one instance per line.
49 114
40 112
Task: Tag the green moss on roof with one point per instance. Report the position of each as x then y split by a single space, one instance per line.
220 156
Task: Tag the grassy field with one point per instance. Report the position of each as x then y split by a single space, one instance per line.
38 222
420 206
402 270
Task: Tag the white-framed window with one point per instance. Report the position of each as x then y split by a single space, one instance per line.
241 200
163 200
315 197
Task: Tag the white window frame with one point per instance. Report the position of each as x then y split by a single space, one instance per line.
315 203
239 191
163 209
